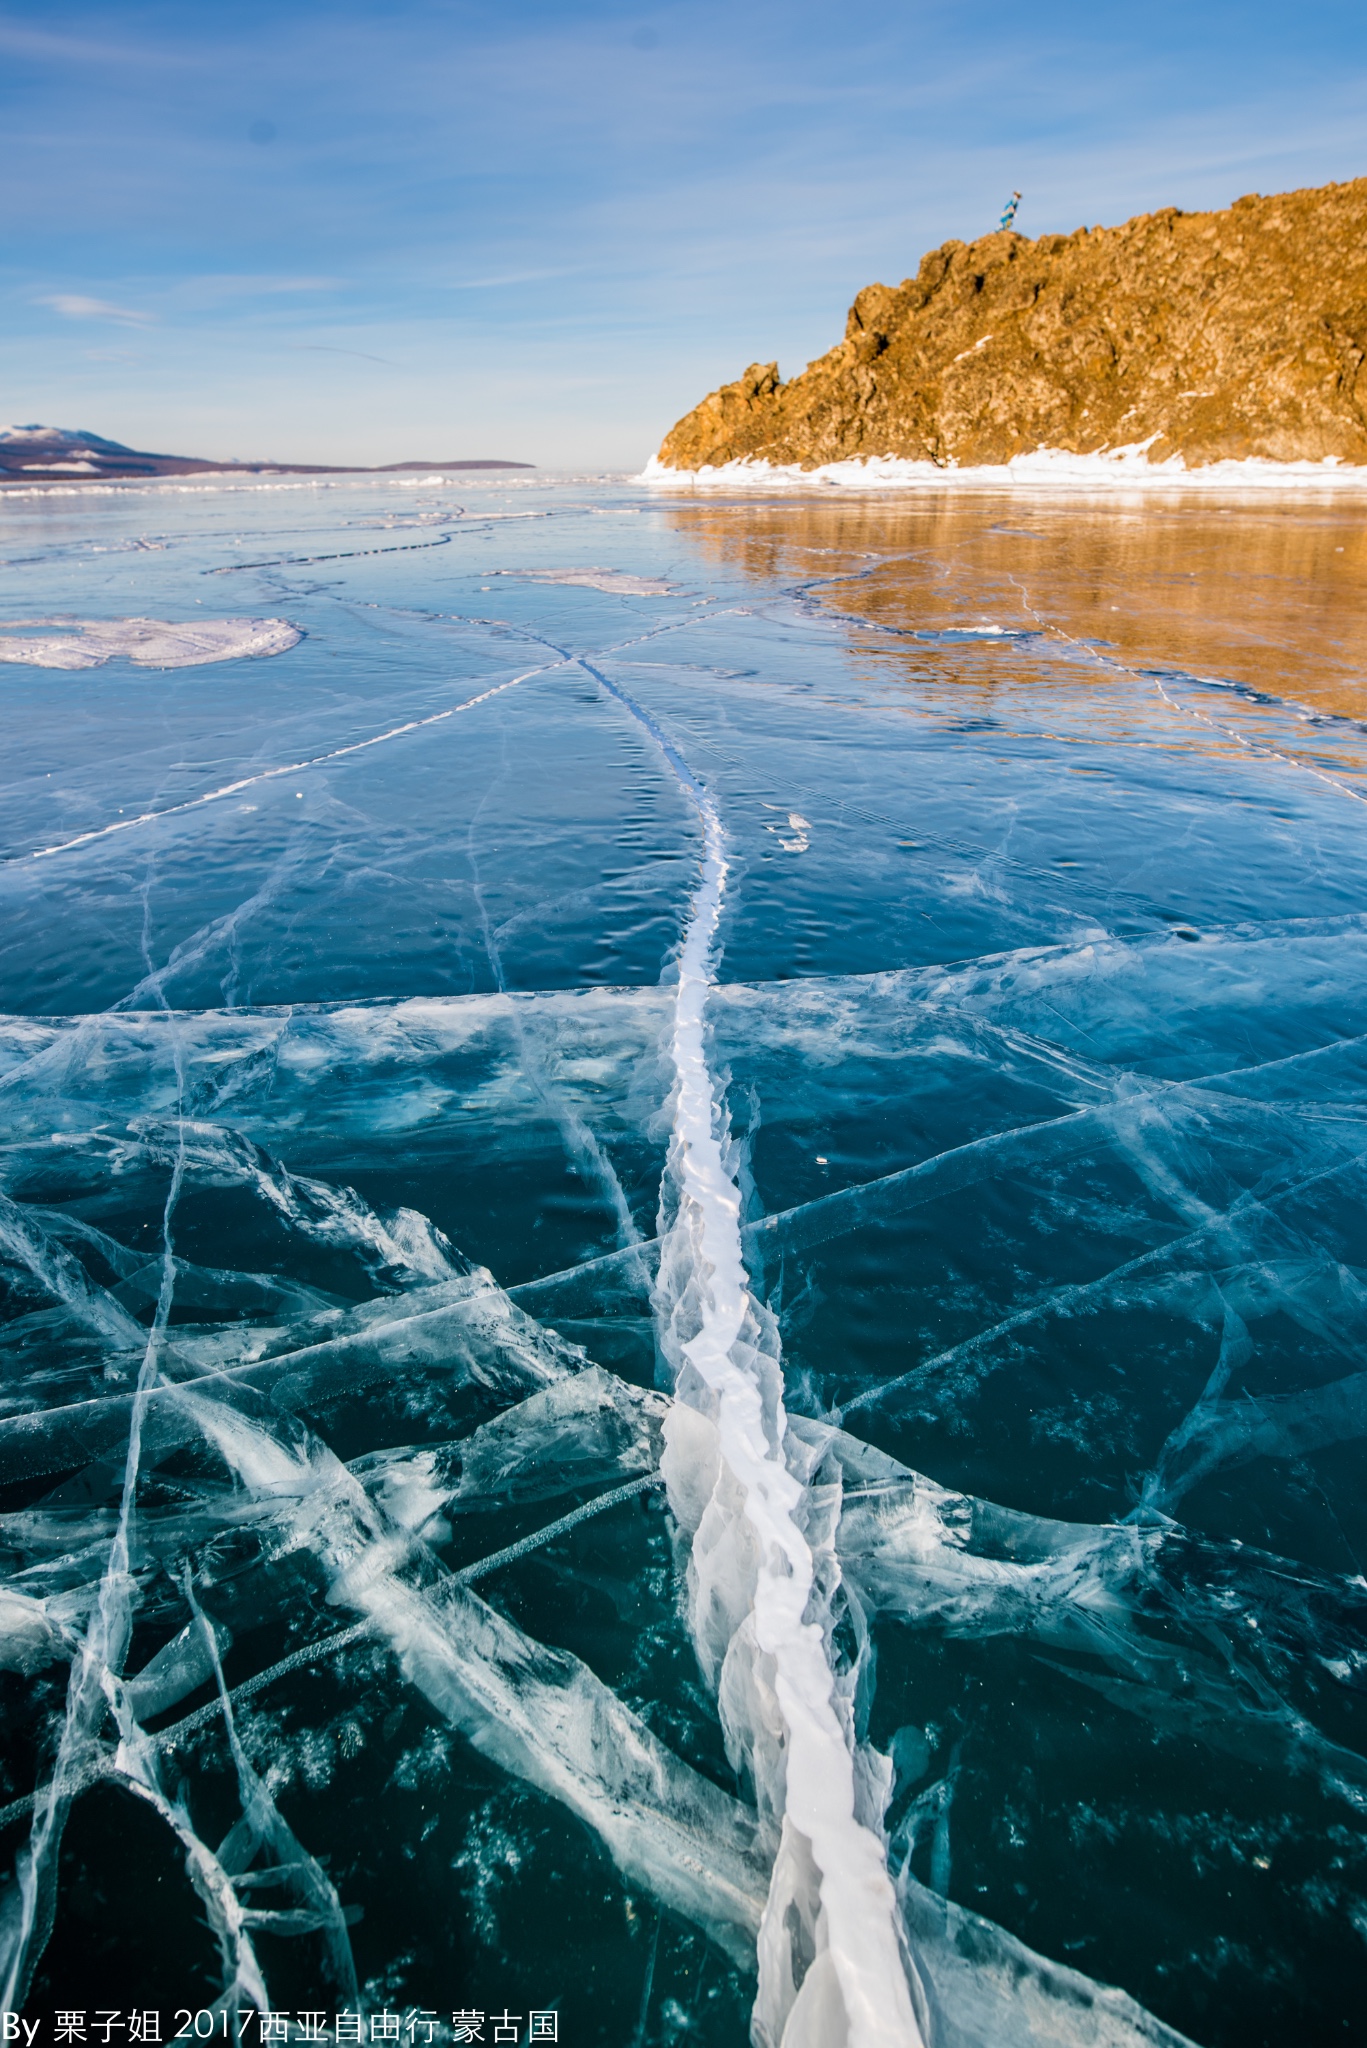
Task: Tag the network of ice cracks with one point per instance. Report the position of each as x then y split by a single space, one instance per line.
796 1534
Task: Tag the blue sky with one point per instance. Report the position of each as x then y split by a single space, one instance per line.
367 230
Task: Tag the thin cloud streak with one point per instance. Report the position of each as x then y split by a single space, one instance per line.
18 39
488 284
327 348
75 306
263 286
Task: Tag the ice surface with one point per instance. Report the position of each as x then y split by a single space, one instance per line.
983 1987
151 643
683 1299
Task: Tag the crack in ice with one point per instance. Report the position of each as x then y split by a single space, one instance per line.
213 796
753 1573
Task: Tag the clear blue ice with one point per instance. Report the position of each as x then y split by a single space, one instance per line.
682 1230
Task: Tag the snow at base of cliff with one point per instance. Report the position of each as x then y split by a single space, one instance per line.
1046 469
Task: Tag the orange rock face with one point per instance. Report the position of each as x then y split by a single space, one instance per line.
1209 335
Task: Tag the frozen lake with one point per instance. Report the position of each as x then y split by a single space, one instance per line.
685 1261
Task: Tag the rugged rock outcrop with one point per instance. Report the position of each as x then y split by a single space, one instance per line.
1209 335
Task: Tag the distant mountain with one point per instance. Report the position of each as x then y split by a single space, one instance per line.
35 453
1202 335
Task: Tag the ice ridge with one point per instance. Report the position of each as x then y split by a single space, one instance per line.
832 1962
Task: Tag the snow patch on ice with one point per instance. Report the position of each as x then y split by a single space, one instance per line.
617 582
151 643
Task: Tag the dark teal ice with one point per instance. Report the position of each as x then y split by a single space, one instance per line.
350 1662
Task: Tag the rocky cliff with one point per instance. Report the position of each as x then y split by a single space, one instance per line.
1209 335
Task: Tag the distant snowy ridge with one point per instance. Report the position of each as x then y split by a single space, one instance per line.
66 437
31 450
35 451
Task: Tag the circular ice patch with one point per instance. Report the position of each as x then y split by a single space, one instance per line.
153 643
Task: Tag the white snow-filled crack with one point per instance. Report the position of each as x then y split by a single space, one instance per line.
833 1967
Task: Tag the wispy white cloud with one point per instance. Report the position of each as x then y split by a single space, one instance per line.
327 348
21 39
76 306
488 284
229 286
